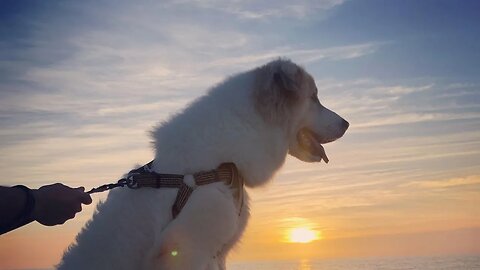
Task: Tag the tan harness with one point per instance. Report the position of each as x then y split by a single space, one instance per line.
186 184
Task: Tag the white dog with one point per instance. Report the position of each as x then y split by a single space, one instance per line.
253 120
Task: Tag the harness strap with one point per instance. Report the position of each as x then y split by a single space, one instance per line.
226 172
182 197
146 177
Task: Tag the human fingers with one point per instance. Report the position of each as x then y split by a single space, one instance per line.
84 197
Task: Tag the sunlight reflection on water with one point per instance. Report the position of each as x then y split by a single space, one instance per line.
423 263
305 265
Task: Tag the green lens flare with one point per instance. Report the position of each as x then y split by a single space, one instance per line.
174 253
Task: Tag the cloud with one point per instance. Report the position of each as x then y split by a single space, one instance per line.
446 183
101 67
303 56
261 10
369 104
410 118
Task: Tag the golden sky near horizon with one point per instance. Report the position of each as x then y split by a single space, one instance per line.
82 85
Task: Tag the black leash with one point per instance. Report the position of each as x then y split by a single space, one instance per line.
121 183
128 180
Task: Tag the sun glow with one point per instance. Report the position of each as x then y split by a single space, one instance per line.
303 235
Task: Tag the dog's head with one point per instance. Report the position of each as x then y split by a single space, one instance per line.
286 95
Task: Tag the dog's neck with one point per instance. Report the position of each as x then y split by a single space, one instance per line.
222 126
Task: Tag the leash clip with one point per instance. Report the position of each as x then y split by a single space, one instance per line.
130 182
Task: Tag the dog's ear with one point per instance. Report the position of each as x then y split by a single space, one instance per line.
278 89
285 85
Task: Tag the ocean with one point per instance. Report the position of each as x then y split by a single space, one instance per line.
404 263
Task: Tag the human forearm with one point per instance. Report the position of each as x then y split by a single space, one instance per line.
49 205
15 208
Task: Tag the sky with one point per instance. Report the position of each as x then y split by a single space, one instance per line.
82 83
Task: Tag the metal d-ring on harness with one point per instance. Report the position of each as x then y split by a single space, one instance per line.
146 177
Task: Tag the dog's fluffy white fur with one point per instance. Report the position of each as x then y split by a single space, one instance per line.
252 119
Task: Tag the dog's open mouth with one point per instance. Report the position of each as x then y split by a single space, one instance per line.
312 144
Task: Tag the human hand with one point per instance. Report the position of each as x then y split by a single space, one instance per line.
57 203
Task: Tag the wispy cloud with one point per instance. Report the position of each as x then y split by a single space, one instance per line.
300 55
261 10
370 103
449 183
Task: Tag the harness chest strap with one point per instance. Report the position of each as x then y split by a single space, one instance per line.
186 184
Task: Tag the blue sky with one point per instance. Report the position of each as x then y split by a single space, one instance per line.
83 82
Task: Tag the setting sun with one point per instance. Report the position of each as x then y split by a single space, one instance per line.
303 235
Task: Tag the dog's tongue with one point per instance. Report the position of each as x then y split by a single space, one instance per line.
322 153
316 149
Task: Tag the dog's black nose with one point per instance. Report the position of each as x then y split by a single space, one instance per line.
345 124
